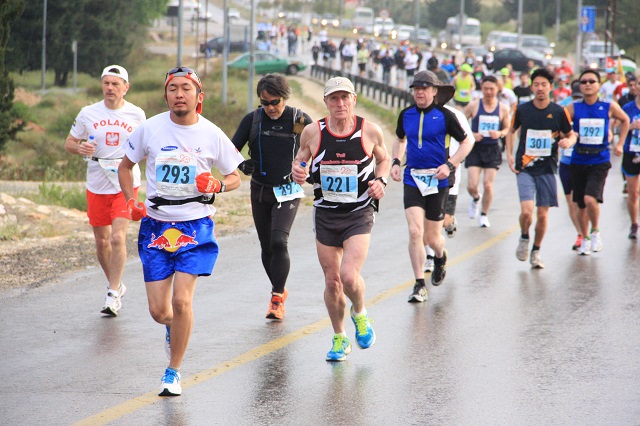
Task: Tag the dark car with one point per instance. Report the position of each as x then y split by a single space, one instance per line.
216 46
514 57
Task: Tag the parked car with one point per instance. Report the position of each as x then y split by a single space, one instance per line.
515 57
266 63
594 54
233 14
423 36
382 27
402 32
216 46
539 43
497 40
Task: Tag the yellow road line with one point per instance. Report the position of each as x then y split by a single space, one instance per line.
139 402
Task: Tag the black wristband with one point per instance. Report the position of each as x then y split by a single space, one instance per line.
452 168
396 161
382 180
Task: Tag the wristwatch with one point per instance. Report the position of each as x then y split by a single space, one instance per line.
382 179
223 186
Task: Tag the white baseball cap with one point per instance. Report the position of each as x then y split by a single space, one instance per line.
116 71
338 84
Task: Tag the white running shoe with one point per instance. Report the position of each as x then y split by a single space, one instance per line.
170 383
536 261
483 221
113 301
474 208
585 247
428 265
596 241
522 252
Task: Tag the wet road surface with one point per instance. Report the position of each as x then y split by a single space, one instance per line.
497 343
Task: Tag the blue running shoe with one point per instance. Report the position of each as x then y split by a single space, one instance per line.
170 383
341 348
167 343
365 336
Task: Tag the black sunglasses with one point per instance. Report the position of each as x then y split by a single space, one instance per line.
272 103
588 81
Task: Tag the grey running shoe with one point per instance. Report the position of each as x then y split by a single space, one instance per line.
585 247
419 294
440 269
474 208
522 252
428 264
633 231
596 242
451 229
536 261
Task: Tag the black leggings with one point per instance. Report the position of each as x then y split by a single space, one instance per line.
273 221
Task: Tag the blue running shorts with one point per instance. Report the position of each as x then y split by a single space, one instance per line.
166 247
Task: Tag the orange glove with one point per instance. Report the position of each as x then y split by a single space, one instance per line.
207 183
137 210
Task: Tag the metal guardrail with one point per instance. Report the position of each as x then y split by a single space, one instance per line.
375 90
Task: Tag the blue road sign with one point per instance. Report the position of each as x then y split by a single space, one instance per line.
588 19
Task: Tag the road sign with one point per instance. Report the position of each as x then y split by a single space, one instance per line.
588 19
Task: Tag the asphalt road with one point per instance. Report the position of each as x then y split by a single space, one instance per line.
497 343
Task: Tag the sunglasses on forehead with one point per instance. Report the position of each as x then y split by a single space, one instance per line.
272 103
180 71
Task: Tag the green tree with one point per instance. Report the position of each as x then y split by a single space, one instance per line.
9 122
106 33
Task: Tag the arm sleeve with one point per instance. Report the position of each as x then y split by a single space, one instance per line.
241 137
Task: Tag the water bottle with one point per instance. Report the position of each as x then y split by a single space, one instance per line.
92 141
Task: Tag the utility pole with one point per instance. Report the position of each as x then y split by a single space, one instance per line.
610 26
44 46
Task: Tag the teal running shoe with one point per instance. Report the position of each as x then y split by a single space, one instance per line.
341 348
365 336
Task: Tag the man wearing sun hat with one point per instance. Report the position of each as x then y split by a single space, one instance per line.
98 133
422 133
176 241
348 161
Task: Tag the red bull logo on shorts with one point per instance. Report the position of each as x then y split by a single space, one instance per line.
171 240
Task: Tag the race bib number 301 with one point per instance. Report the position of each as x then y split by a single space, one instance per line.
538 143
176 174
339 183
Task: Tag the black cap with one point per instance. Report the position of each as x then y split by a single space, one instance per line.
575 90
428 78
432 63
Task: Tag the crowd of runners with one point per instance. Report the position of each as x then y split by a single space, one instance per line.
469 121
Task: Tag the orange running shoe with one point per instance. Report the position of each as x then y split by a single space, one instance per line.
276 306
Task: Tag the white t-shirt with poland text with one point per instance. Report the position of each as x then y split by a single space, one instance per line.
175 155
110 128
